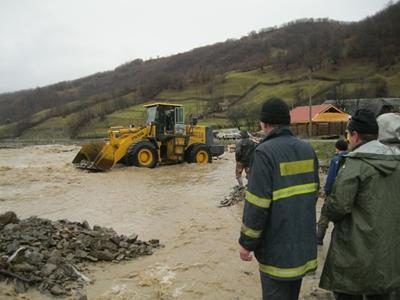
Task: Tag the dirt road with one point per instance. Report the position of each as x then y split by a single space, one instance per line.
176 204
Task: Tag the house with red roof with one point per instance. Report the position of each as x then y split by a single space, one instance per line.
326 119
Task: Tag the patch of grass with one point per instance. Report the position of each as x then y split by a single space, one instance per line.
215 122
98 127
392 78
6 131
194 107
284 91
325 149
352 88
57 127
237 83
349 69
51 128
234 84
191 91
393 85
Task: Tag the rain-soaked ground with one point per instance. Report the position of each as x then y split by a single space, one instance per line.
177 204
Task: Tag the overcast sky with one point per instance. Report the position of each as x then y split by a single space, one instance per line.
47 41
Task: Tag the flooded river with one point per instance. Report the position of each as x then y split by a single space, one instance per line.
177 204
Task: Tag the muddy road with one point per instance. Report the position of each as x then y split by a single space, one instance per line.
177 204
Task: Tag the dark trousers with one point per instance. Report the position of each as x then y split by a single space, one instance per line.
341 296
323 220
273 289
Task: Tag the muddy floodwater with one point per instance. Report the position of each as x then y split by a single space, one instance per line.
177 204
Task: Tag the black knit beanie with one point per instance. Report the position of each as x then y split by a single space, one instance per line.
363 121
244 134
341 145
275 111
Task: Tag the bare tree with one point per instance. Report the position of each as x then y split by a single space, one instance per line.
235 115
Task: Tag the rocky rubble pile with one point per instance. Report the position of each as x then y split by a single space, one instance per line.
238 194
52 255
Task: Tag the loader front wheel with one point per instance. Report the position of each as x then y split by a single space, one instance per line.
142 154
200 154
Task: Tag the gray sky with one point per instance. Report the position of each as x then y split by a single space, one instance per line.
47 41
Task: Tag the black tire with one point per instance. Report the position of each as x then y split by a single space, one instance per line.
199 153
142 154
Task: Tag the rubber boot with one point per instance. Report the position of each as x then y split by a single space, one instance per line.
321 230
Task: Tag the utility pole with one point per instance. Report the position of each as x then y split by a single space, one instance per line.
309 109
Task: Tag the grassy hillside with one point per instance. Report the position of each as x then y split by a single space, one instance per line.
237 89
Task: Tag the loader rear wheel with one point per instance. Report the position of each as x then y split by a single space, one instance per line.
142 154
200 154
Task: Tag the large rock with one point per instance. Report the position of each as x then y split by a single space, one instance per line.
24 267
33 257
48 269
103 255
8 217
57 290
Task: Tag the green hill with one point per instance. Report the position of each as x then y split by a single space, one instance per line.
344 60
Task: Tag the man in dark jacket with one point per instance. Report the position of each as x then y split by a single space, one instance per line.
279 211
341 150
243 154
364 255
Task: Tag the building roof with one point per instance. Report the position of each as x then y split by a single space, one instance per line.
319 113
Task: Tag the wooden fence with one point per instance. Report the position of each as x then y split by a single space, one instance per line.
320 129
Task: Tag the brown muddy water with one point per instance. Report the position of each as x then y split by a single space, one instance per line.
177 204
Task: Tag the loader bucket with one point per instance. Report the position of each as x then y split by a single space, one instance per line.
95 157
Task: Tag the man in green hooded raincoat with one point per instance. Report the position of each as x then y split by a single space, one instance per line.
364 255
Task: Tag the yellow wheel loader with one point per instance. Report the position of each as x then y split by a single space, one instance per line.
165 139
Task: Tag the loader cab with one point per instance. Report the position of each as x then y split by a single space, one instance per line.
168 119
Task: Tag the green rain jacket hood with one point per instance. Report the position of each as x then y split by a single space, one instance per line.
364 255
383 158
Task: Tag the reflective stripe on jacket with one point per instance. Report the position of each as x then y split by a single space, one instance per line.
279 211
